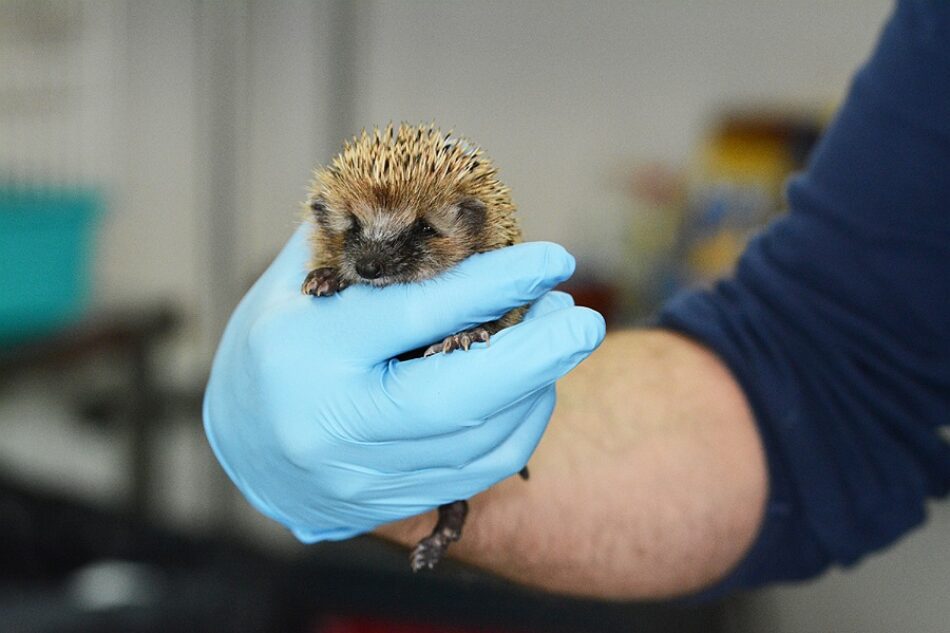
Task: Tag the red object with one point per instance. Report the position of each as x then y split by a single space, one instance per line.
357 624
593 294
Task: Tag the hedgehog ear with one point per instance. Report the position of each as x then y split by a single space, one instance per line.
472 213
472 206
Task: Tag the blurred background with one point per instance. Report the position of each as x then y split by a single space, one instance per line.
153 156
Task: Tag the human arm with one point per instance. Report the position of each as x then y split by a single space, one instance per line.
650 480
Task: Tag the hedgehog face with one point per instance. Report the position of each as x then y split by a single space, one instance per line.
382 246
405 204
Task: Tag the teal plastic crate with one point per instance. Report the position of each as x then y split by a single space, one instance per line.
46 251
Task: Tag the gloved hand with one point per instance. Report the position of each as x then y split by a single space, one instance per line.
324 432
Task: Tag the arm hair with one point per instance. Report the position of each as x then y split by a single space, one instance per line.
650 482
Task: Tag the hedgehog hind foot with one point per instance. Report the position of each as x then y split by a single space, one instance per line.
447 530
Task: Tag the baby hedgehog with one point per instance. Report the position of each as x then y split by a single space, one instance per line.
403 205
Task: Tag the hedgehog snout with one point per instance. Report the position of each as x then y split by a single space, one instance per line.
370 267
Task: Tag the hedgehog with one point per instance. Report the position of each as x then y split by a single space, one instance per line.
403 205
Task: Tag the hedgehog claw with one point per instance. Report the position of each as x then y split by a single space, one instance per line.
322 282
462 340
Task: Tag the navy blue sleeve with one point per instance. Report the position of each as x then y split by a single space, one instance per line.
836 322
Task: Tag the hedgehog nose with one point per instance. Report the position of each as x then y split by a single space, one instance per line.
369 267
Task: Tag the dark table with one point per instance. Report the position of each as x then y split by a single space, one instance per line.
126 335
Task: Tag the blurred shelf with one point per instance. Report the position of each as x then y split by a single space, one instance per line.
129 335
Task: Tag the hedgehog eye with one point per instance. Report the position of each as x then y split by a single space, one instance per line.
426 229
318 206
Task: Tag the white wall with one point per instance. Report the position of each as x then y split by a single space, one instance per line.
56 91
151 243
902 588
158 238
567 95
286 134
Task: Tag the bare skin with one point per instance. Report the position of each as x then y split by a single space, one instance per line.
650 481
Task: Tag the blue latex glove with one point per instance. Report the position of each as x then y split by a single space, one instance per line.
323 432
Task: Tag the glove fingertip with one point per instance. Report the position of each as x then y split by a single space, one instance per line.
559 263
585 330
592 326
549 303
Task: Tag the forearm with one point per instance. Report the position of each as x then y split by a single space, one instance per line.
649 482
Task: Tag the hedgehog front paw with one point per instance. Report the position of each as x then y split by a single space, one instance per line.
462 340
321 282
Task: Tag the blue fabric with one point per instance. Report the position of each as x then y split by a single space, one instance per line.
836 322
